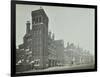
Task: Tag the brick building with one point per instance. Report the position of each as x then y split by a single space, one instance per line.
38 45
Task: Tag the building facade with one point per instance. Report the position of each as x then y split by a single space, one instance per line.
52 58
74 55
60 52
39 46
40 37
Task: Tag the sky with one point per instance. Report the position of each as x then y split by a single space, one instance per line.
73 25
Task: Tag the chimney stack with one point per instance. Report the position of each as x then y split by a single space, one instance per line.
53 36
28 27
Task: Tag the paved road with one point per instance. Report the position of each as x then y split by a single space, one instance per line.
74 67
71 67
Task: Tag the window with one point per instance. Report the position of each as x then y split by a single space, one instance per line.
36 19
33 20
40 19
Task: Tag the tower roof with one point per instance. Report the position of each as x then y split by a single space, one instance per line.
39 12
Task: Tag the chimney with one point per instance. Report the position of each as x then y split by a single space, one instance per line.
28 27
50 34
53 36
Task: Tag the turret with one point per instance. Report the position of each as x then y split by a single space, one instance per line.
28 27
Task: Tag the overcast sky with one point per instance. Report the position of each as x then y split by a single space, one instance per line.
73 25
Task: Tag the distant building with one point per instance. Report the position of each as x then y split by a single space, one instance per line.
60 51
76 55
